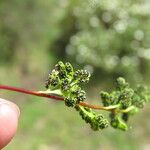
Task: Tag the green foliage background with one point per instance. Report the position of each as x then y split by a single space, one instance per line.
107 38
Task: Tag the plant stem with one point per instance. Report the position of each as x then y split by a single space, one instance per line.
56 92
99 107
129 109
40 94
36 93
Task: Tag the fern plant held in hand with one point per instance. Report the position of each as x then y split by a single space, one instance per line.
65 84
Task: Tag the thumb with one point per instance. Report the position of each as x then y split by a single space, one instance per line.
9 114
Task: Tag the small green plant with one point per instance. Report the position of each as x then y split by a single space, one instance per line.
66 84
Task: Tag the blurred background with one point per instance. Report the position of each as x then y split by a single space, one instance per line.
108 38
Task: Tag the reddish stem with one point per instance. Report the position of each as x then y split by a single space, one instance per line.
10 88
36 93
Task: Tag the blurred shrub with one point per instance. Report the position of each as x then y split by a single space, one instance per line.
7 44
26 25
113 37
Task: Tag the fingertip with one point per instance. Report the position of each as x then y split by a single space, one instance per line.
9 114
12 105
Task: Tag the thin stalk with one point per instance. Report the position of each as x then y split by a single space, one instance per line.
129 109
40 94
109 108
36 93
